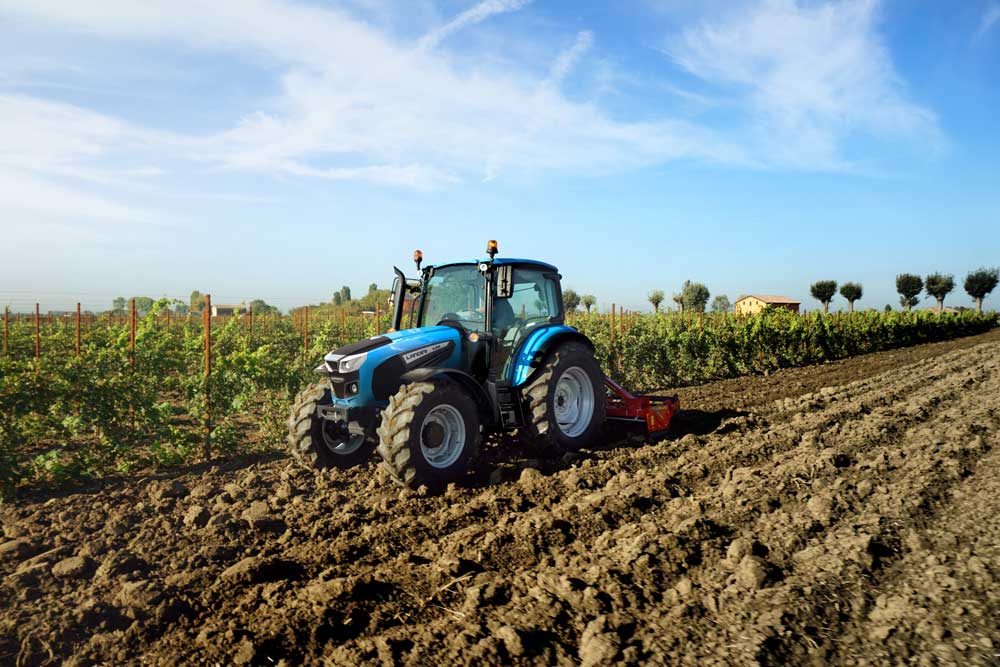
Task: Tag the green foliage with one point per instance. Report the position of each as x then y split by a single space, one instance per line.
118 305
656 297
71 418
345 293
823 291
571 300
909 286
588 301
720 304
673 350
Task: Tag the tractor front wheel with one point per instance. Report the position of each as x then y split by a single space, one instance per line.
429 434
320 443
565 401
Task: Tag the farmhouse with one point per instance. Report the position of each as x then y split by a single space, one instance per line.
754 303
228 309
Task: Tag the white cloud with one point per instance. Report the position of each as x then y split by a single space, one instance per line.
357 104
568 59
471 16
990 18
810 76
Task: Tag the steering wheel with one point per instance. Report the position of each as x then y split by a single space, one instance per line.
449 316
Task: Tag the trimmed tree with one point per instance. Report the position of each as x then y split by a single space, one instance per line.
980 283
588 301
695 296
656 297
909 286
720 304
939 285
823 291
852 292
571 300
679 300
345 293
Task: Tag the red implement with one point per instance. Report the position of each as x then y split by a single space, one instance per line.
655 411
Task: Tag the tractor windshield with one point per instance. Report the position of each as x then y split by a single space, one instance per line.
455 293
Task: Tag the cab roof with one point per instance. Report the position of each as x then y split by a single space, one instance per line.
506 260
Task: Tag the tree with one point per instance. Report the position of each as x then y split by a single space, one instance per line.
656 298
197 301
823 291
679 300
588 301
888 308
852 292
570 300
260 306
181 308
142 304
980 283
372 288
909 286
337 299
345 293
695 296
118 305
720 304
939 285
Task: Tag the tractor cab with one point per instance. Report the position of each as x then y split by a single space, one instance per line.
494 303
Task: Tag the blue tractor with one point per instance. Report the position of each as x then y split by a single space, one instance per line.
489 352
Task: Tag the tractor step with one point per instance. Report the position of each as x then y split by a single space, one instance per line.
654 411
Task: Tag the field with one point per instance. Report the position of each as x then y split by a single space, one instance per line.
842 513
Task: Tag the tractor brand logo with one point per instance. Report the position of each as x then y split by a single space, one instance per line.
416 355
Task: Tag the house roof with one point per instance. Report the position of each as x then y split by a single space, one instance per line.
769 298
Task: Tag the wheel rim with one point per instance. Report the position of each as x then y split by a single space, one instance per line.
442 436
337 444
573 402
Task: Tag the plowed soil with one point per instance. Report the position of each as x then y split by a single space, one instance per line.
842 514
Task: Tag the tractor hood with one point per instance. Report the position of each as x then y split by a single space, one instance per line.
371 369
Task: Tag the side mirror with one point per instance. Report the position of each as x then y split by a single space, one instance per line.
395 290
505 281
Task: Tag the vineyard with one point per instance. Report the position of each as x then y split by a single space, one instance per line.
88 398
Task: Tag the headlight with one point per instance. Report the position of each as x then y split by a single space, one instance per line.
352 363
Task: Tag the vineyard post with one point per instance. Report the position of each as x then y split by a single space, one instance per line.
78 328
621 317
38 338
168 320
612 324
207 320
701 315
6 330
131 354
305 332
378 313
250 322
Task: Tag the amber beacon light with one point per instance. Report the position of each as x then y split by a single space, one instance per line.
491 248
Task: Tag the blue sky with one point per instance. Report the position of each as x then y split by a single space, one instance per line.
260 148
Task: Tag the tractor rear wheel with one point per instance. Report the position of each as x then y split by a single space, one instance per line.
320 443
565 401
429 434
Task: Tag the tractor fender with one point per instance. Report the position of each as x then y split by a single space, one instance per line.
461 378
537 345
